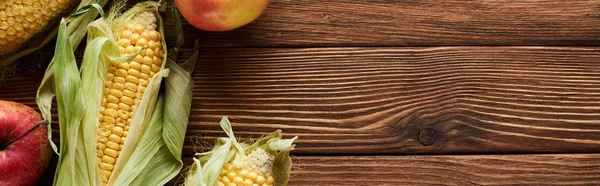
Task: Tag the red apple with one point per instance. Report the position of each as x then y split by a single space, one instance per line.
221 15
23 161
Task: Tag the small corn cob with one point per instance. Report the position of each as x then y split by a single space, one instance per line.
264 162
125 85
256 171
21 19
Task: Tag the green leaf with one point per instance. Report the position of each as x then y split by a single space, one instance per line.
71 108
263 142
238 161
194 175
190 64
282 144
178 95
79 24
87 8
282 166
76 31
96 58
43 99
178 33
147 156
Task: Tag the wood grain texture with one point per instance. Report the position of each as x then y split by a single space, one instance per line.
380 100
377 100
554 169
447 170
413 23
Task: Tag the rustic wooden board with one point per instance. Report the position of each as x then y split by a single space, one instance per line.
581 169
348 86
394 100
401 23
554 169
378 100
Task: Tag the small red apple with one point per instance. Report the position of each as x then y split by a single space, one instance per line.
24 148
221 15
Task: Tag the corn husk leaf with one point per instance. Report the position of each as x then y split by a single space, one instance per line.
282 166
71 108
207 165
151 154
194 175
75 32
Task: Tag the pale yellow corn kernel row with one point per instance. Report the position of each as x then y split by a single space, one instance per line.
124 87
21 19
242 177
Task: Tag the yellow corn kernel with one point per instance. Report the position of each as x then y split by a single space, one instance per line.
118 86
248 183
252 176
126 34
132 85
120 80
238 181
225 180
128 93
108 159
111 106
106 166
112 145
142 42
260 180
133 73
151 45
134 37
127 100
124 106
114 138
123 114
147 61
111 152
135 65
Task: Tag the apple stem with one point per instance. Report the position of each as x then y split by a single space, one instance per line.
38 125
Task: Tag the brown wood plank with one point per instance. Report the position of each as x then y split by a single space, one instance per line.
413 23
448 170
553 169
379 100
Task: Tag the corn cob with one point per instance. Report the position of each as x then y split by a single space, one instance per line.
21 19
124 81
265 162
125 85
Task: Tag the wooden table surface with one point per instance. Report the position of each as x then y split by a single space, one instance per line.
399 92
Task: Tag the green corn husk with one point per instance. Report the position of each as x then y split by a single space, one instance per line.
151 154
76 33
208 165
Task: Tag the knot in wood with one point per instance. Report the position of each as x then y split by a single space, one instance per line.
427 136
